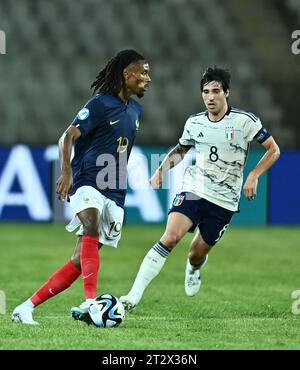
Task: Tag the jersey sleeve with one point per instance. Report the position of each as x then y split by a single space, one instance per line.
251 128
89 117
186 138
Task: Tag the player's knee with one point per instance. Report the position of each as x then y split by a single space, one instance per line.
75 259
90 230
170 239
91 227
90 222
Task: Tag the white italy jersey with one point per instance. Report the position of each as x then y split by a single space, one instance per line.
221 153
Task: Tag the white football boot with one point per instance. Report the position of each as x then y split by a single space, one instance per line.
128 302
192 278
22 314
82 312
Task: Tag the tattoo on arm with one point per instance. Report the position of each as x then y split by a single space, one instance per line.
174 157
181 150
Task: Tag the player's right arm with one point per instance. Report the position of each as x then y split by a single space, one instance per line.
65 181
174 157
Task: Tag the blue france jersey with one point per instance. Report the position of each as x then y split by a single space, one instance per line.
108 127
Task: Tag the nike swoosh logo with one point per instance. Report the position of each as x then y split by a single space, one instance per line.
85 277
113 122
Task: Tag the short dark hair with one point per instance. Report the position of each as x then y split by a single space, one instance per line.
216 74
110 78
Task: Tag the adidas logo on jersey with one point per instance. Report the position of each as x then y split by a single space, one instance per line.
200 134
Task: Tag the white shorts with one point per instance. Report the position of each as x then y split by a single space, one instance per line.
111 215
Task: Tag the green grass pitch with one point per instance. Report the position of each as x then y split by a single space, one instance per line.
245 300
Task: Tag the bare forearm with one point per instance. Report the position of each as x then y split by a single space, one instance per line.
65 149
174 157
65 143
269 158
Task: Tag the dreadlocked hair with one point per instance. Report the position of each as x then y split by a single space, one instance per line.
110 79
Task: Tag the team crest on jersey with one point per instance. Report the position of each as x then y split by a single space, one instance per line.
83 114
178 200
229 133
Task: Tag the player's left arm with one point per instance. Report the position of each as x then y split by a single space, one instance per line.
268 159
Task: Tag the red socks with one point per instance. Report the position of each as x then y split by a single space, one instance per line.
90 261
66 275
59 281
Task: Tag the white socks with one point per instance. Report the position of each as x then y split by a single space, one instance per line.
150 267
28 304
89 300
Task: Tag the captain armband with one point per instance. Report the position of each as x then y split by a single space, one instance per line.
262 135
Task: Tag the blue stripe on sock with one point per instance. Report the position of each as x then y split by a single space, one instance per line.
164 247
161 249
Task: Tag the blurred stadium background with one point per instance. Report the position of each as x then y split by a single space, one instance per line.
54 49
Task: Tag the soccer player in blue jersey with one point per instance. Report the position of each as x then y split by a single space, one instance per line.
211 188
94 182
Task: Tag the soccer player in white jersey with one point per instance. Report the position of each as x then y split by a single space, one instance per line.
211 188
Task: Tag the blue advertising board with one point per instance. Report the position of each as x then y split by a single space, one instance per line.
27 184
284 207
24 184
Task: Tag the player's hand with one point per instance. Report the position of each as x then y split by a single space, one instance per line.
63 187
156 179
250 186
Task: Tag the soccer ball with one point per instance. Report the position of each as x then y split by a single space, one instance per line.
106 311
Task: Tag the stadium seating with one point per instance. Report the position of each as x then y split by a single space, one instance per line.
294 6
55 49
